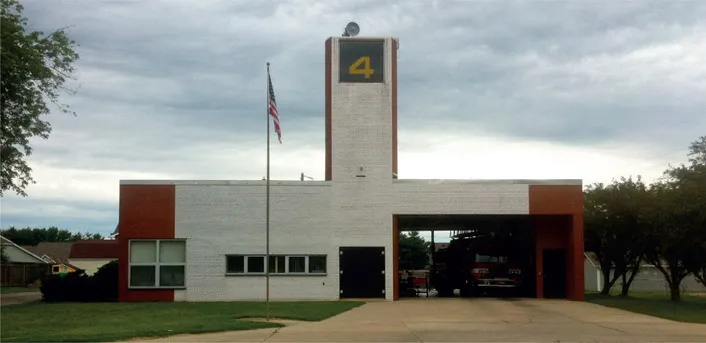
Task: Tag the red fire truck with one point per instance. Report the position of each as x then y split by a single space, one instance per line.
476 263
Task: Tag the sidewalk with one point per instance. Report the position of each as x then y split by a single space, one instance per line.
19 298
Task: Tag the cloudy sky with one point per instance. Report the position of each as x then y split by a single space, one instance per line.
176 90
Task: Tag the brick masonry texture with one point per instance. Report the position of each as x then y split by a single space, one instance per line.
312 218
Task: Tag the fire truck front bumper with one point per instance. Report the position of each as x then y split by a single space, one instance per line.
499 283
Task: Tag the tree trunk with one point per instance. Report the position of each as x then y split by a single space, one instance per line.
674 290
625 287
634 269
607 282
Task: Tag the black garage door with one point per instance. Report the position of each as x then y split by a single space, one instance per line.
362 272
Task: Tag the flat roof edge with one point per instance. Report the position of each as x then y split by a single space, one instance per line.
224 183
552 182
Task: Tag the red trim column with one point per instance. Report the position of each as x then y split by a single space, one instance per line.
147 212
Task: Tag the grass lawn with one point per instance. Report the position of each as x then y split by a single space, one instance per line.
8 290
116 321
691 309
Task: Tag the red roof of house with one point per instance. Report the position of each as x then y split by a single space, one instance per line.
94 249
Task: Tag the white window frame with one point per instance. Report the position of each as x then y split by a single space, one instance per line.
267 265
157 264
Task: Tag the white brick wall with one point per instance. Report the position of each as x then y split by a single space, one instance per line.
361 130
449 197
230 219
90 265
310 218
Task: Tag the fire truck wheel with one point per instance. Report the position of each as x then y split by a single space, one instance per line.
469 291
445 293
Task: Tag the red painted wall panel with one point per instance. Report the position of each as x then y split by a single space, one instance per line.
146 211
558 223
551 232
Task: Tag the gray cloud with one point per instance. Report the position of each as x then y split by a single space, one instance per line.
177 88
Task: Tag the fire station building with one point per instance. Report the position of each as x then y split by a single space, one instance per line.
194 240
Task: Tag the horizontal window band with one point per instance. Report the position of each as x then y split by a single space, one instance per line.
275 274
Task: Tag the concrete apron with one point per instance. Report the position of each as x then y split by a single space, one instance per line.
471 320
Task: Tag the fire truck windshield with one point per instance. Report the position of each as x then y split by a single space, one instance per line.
487 258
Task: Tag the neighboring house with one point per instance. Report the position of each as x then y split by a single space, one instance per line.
22 268
91 255
649 278
18 254
52 252
63 269
592 272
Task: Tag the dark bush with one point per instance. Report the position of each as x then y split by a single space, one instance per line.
68 287
79 287
105 282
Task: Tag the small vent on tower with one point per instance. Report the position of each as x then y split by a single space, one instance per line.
361 172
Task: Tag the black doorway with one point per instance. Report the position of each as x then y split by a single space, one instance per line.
362 272
554 272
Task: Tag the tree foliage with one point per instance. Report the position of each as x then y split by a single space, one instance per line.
34 70
415 252
677 232
663 224
3 255
615 229
33 236
79 287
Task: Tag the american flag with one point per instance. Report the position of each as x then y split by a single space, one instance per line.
273 108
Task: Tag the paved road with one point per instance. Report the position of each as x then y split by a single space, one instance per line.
478 320
18 298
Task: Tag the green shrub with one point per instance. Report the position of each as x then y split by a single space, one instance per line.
105 282
79 287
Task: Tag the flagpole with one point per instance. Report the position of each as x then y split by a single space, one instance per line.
267 206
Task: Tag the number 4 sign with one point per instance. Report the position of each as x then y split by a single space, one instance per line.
361 61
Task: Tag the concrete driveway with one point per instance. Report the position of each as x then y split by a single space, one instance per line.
475 320
19 298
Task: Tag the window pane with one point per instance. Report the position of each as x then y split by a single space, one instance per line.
297 264
142 276
256 264
171 276
317 264
235 264
172 251
277 264
143 251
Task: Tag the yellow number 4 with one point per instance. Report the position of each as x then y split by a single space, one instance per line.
355 68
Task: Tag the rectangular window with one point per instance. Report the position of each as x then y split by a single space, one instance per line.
297 264
235 264
278 264
256 264
157 263
317 264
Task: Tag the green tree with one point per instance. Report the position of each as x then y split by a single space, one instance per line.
677 226
414 251
34 70
33 236
3 255
614 223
